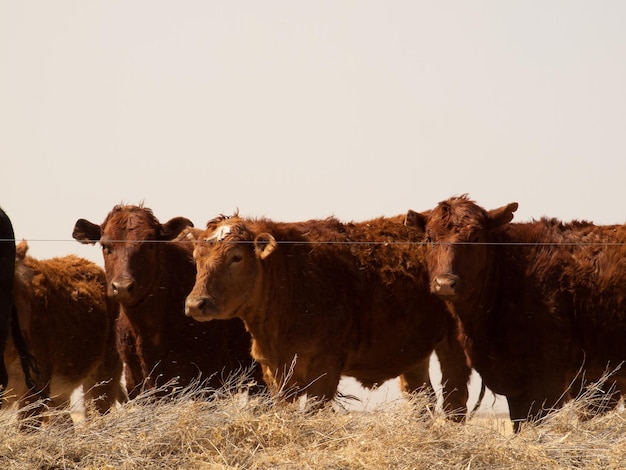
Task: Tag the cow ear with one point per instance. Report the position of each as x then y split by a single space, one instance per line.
190 234
86 232
173 227
264 245
20 250
416 220
498 218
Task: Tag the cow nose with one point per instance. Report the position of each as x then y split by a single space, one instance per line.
194 306
122 288
446 284
202 308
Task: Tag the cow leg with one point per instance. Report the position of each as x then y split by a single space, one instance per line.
519 411
322 385
102 388
537 401
30 414
101 395
604 398
598 398
320 375
257 383
315 377
455 376
417 380
524 408
6 305
282 383
60 393
16 385
127 347
33 404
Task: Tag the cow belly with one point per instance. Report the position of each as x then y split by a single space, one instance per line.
374 369
389 353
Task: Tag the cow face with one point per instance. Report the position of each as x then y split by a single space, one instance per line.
228 259
131 239
459 233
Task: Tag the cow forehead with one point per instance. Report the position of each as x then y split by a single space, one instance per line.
456 218
220 233
127 225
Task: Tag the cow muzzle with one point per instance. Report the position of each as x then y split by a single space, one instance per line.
200 308
446 285
122 289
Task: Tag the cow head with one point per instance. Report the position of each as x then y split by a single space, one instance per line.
459 233
131 238
229 257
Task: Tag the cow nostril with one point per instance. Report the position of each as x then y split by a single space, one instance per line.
446 284
194 305
123 288
115 289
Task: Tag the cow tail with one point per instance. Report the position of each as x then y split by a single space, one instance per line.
5 325
479 402
27 360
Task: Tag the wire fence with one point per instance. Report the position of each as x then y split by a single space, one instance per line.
332 242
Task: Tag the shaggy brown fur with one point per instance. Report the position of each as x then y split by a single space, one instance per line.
537 301
150 275
68 326
342 299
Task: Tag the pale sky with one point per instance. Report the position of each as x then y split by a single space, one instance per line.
296 110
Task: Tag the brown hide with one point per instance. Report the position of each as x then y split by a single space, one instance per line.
537 301
68 325
150 275
341 299
7 270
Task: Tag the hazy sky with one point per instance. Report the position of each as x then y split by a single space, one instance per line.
296 110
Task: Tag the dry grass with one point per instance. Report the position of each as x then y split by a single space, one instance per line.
232 431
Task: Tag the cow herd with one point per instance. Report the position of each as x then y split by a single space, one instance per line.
536 308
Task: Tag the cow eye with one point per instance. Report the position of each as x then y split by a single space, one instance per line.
236 256
106 249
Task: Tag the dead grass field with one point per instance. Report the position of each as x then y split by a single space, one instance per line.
232 431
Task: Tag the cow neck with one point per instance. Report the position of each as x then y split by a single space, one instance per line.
156 292
478 315
259 314
265 340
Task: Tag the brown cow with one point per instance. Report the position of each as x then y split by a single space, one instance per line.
537 301
68 325
150 275
315 293
9 321
7 272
